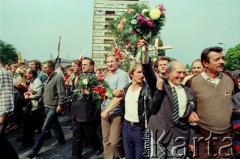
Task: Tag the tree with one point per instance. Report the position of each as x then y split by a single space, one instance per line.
232 58
8 52
188 66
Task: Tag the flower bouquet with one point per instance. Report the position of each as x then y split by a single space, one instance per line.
96 87
138 22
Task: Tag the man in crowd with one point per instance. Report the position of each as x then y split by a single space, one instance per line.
214 90
196 67
54 100
85 116
172 104
111 117
6 106
37 66
160 66
72 81
33 115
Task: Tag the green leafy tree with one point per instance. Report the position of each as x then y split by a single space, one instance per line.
232 58
8 52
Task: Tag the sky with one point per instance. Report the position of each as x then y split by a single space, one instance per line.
34 26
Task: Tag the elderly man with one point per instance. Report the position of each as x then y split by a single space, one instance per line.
171 107
6 106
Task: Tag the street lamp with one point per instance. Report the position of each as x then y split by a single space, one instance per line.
223 47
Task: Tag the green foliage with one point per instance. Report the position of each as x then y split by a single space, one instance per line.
232 58
188 66
125 64
8 52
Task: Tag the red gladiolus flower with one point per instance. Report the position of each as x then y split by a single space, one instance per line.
103 96
118 53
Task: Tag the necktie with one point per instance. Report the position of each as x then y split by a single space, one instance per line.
175 106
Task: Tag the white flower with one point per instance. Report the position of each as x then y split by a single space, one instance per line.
155 13
85 81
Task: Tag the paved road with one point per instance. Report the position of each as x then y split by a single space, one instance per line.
48 152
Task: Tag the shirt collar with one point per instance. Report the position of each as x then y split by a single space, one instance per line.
117 71
172 85
205 76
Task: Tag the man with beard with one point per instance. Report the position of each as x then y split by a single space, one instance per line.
214 90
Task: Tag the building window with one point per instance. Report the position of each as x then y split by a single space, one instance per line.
99 12
98 41
110 12
108 41
107 48
99 27
106 26
119 13
109 19
98 33
99 19
108 34
97 48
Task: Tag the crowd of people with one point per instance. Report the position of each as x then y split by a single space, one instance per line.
158 109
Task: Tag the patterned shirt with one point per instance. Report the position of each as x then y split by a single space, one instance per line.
6 92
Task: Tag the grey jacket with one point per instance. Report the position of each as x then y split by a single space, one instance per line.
54 91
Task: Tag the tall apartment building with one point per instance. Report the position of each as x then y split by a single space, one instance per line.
105 11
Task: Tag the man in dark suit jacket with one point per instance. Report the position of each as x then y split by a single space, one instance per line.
169 123
85 117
